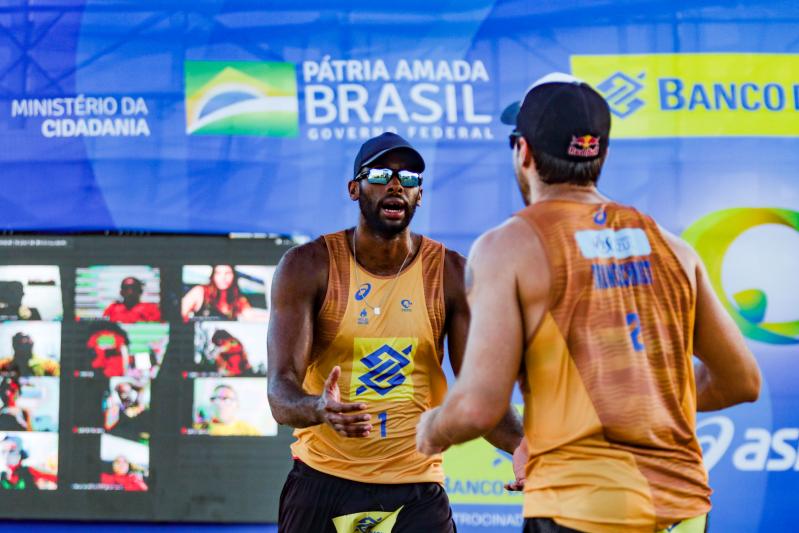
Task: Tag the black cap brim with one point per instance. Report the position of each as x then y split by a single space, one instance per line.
510 113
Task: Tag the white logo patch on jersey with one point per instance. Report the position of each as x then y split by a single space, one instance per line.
608 243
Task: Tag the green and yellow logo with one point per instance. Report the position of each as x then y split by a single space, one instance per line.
241 98
712 236
696 95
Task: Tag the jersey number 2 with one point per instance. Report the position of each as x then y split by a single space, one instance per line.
635 332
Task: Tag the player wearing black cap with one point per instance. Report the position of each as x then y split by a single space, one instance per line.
356 334
601 312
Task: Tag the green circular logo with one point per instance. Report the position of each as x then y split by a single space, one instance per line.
712 236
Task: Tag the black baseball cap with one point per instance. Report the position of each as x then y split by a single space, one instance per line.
382 144
563 117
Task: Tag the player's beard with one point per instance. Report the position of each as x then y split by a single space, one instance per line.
521 181
371 212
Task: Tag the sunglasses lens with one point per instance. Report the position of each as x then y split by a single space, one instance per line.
379 176
409 179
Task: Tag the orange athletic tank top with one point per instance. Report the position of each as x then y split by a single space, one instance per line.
390 361
611 401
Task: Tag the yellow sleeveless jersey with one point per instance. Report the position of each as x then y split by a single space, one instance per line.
610 397
391 361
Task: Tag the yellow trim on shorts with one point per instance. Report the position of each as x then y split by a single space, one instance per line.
692 525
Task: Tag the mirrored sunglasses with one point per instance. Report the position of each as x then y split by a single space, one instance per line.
381 176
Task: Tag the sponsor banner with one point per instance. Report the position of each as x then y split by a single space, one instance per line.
487 518
355 98
84 116
477 473
696 95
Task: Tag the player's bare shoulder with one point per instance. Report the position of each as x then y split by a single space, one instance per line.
512 244
685 254
303 269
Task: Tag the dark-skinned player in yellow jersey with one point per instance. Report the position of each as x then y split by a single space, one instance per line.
356 337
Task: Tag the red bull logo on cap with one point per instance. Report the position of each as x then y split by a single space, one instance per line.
584 146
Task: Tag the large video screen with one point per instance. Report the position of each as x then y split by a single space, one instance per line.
133 379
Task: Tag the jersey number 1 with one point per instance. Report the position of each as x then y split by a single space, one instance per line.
383 419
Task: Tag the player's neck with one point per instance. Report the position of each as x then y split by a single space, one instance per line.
540 192
383 254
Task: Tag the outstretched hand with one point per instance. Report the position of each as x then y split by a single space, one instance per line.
335 413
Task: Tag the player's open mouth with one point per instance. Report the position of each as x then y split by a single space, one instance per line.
393 208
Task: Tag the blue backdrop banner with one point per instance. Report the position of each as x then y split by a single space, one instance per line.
244 116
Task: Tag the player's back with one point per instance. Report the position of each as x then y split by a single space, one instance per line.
610 406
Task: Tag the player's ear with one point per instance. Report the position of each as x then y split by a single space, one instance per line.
525 153
355 190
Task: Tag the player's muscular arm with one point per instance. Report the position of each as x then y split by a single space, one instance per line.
298 288
728 374
508 433
502 314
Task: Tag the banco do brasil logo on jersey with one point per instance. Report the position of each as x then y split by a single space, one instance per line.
712 237
241 98
381 368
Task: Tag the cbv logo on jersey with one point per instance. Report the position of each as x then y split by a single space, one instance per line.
381 368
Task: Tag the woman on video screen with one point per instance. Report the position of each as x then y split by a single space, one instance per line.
220 298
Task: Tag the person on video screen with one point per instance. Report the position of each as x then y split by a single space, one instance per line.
126 414
224 421
229 354
11 308
24 363
124 475
220 298
16 476
12 417
109 345
130 308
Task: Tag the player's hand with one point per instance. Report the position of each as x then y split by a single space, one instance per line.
424 434
337 414
519 465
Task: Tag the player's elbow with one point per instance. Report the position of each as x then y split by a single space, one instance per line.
750 387
745 390
482 417
275 407
275 403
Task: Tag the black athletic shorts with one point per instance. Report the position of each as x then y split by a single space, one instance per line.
314 502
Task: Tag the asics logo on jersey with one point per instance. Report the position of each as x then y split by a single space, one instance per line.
385 369
600 217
